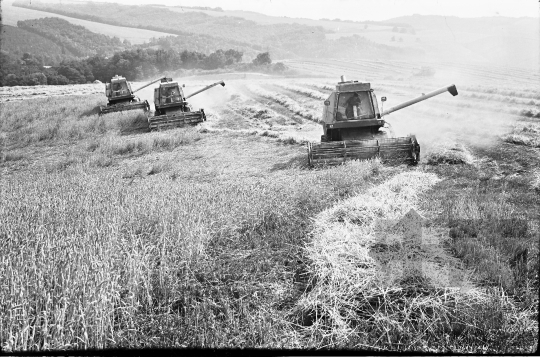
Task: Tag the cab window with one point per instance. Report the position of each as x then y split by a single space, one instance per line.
170 95
119 89
354 105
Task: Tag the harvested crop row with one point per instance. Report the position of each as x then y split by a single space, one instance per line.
328 87
287 102
520 139
527 134
254 111
503 99
302 90
285 138
450 153
509 93
358 280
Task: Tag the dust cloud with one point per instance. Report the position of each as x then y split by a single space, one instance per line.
445 119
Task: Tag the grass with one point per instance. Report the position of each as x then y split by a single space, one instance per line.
111 264
41 126
122 244
535 181
217 238
493 230
50 120
362 295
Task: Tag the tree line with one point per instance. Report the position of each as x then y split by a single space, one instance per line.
136 64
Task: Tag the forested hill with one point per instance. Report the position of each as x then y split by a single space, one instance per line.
143 17
232 28
73 39
204 32
17 41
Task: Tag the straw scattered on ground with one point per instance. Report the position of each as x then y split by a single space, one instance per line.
364 282
450 153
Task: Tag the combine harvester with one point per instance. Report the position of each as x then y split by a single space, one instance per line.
121 97
352 123
172 110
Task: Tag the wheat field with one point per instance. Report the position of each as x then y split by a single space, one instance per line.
220 236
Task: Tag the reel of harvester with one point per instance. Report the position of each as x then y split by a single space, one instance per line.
352 123
171 108
390 150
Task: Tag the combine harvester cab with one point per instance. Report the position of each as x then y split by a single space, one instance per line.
172 109
352 123
121 97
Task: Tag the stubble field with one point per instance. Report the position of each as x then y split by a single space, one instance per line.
220 236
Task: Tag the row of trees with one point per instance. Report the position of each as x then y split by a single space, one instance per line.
404 30
133 64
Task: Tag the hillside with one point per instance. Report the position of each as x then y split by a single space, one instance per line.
283 40
142 18
498 40
17 41
75 39
11 14
195 22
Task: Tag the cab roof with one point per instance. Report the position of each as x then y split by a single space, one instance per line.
169 84
353 86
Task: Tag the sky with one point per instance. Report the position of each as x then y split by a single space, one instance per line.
361 10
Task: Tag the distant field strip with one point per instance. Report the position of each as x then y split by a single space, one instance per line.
287 102
303 90
361 68
32 92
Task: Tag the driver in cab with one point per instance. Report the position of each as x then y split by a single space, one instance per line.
117 89
170 94
353 106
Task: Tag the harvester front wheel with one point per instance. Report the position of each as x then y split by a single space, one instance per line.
415 150
309 148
